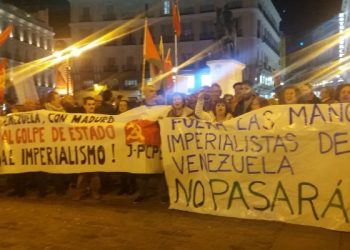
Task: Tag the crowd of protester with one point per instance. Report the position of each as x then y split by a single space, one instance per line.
207 104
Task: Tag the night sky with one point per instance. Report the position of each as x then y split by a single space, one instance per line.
298 16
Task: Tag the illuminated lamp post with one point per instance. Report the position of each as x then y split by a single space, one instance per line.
66 56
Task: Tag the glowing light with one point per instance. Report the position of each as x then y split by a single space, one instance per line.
58 54
99 38
311 52
206 80
99 87
76 52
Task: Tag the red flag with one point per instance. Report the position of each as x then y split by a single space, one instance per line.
150 52
176 18
2 79
142 131
168 67
5 33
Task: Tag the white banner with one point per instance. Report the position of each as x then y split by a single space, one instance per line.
284 163
71 143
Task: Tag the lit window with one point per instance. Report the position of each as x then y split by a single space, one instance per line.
206 80
130 82
166 9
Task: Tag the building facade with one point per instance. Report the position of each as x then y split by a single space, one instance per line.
30 40
344 43
119 63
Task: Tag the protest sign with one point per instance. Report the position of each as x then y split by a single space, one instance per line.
58 142
284 163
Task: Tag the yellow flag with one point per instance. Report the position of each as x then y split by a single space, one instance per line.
161 48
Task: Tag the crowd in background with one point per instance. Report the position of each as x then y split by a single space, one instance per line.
208 104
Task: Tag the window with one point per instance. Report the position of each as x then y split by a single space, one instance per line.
130 83
109 13
207 30
85 15
187 32
111 61
166 7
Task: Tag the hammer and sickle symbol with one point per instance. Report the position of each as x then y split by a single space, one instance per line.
135 133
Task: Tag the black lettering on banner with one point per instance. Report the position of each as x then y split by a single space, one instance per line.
175 121
294 114
188 193
269 123
180 168
338 142
280 190
6 158
285 164
214 193
236 186
290 137
198 191
256 193
339 205
69 155
301 188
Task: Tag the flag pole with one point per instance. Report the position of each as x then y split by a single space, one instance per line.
143 59
176 61
177 33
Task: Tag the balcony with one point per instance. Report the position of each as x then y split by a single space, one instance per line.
269 19
207 36
272 45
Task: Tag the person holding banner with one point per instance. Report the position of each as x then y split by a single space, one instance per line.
150 99
245 98
289 95
178 109
327 95
178 106
106 108
53 103
127 180
219 112
17 182
307 95
215 93
258 102
343 93
88 183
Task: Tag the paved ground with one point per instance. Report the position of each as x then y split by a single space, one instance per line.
115 223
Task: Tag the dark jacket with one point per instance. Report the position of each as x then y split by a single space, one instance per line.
106 108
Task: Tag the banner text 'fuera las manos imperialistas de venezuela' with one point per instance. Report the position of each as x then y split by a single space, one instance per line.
285 163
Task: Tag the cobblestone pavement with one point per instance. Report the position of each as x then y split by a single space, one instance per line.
115 223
